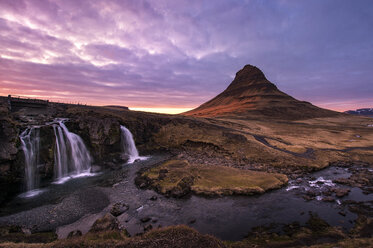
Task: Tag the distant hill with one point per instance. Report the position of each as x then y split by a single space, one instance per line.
251 95
364 112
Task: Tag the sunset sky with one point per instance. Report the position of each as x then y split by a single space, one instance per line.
170 56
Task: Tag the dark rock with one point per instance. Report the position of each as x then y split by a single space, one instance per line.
316 224
148 227
74 234
192 221
342 213
95 168
153 198
328 199
308 198
341 192
106 223
145 219
119 208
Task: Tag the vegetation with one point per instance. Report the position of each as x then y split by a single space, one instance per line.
178 177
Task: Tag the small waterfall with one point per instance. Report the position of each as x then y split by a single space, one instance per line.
60 154
129 147
30 143
72 158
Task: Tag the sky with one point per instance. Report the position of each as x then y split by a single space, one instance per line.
171 56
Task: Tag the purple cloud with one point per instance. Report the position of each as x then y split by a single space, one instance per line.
182 53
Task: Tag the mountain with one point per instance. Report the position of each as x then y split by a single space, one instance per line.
364 112
251 95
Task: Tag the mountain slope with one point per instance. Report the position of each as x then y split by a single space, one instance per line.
251 95
363 112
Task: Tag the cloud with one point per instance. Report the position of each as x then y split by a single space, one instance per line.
181 53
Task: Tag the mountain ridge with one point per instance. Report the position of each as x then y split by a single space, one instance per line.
251 94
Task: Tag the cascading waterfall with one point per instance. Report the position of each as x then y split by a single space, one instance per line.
30 143
60 154
129 147
72 158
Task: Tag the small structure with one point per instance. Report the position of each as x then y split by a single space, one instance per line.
16 103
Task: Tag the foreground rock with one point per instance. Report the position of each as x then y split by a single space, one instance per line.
106 223
177 178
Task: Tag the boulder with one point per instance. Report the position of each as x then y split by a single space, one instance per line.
106 223
119 208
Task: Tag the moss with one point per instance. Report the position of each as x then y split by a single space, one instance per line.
210 180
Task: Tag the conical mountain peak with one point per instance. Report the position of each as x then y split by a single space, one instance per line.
251 95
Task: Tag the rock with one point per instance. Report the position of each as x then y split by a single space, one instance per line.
192 221
107 223
345 181
342 213
341 192
154 220
308 198
119 208
95 168
148 227
328 199
145 219
153 198
74 234
312 192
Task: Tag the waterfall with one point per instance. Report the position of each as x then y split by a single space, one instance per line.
30 143
60 154
128 146
72 158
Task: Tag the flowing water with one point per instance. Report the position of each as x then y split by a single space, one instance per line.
129 147
226 217
30 143
71 156
72 159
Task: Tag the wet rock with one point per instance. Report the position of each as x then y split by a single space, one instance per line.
345 181
328 199
342 213
145 219
316 224
95 168
327 193
74 234
341 192
308 198
312 193
107 223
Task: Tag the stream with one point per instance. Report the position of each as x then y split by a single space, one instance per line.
77 203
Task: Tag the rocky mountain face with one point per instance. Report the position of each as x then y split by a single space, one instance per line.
251 95
363 112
